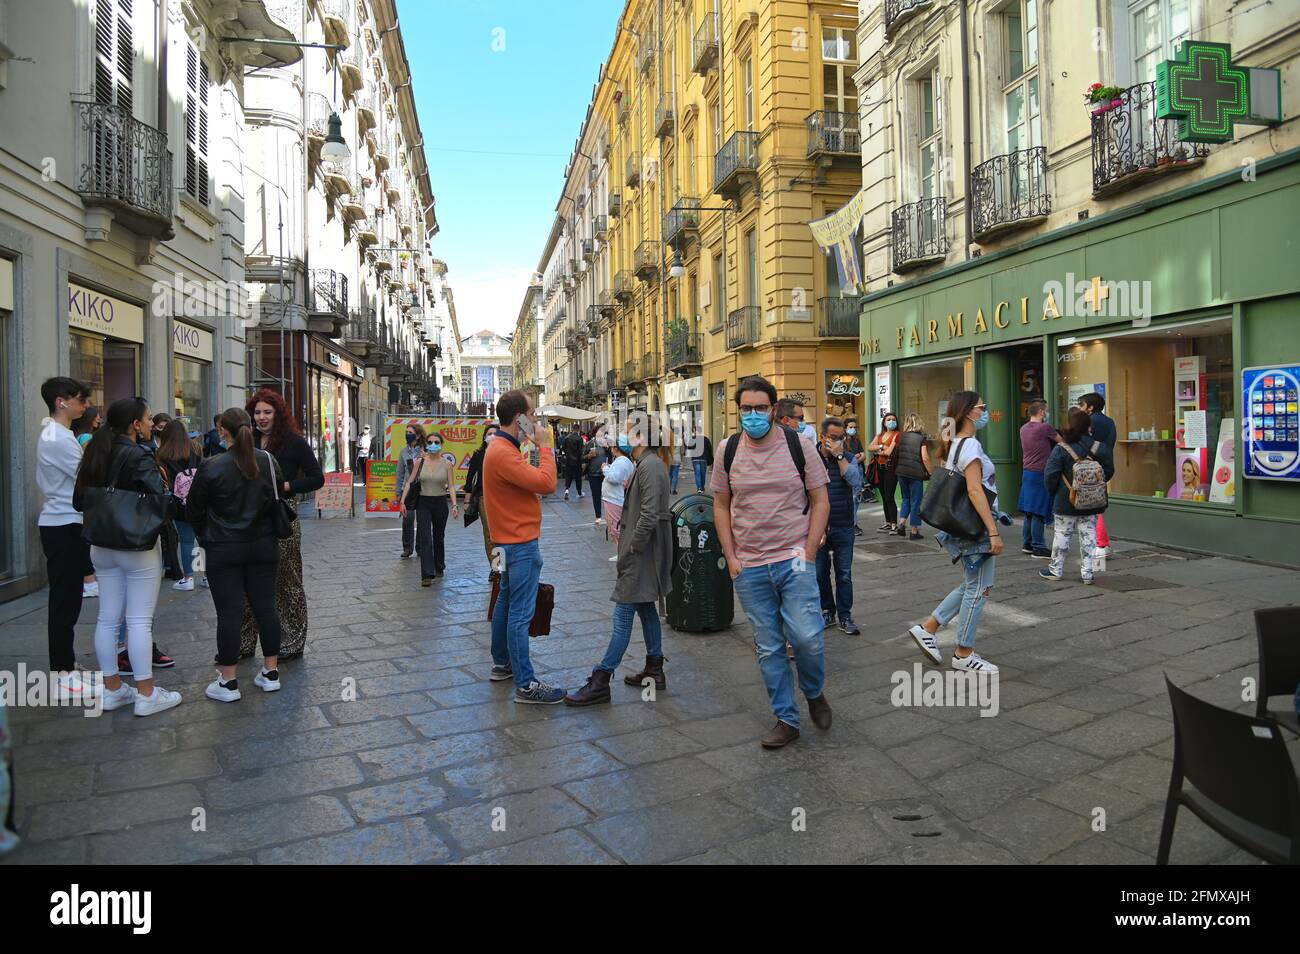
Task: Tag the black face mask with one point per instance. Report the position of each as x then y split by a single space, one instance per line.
410 439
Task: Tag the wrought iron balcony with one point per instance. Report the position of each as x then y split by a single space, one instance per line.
737 158
647 259
602 226
613 379
353 202
383 154
664 120
632 372
1009 192
681 221
572 340
327 301
125 166
898 12
633 177
367 227
360 335
385 259
588 249
615 205
743 327
623 285
318 117
649 366
704 46
645 59
918 234
833 133
336 20
605 303
1130 144
685 350
365 104
622 111
337 176
593 321
838 317
352 62
288 14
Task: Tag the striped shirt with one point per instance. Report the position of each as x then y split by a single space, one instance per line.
768 522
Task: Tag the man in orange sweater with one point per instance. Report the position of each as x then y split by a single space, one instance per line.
510 495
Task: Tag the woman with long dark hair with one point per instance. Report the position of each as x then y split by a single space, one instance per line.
128 577
963 453
230 505
1077 445
178 457
474 491
276 431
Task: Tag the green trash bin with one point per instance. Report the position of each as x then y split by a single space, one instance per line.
701 600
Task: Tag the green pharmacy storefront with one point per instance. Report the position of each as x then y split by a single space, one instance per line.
1182 311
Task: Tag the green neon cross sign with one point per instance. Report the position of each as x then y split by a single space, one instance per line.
1203 90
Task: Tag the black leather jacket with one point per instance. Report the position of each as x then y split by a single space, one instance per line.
139 471
225 507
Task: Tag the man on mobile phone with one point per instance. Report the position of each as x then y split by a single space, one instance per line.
510 488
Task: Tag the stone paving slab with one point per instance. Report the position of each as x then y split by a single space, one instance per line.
388 744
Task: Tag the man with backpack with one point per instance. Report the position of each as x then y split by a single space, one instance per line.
1076 474
771 508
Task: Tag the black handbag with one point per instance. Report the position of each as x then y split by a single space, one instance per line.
282 515
471 510
947 506
413 495
119 519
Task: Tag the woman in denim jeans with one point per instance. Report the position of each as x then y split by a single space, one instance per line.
962 452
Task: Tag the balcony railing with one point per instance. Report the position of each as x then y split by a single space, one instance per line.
632 372
664 116
1009 192
898 11
683 218
738 156
589 249
918 233
1130 144
685 350
623 285
838 317
593 320
383 150
633 177
646 260
126 166
365 103
328 293
318 116
360 334
605 303
833 133
336 18
743 327
622 111
704 47
645 59
649 366
602 226
615 205
613 379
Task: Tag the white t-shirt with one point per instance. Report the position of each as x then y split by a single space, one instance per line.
58 455
612 490
972 449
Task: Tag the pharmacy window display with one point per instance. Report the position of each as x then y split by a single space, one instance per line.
1171 392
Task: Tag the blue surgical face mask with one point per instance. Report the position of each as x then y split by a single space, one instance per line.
982 421
808 431
224 445
756 424
624 444
434 447
851 431
892 425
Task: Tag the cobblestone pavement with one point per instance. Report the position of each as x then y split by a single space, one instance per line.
420 765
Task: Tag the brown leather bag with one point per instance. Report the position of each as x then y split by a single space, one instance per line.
541 622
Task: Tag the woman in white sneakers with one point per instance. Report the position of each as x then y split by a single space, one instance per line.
963 453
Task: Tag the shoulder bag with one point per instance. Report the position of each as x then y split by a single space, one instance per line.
947 505
119 519
282 515
413 495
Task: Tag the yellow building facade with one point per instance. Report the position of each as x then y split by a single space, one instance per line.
717 131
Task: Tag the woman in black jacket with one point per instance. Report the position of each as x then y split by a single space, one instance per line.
474 490
229 505
178 456
276 431
128 577
1058 476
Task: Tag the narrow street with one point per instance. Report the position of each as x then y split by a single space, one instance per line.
420 765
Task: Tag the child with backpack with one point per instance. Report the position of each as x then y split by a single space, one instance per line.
1076 474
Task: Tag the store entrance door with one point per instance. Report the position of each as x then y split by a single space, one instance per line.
1008 379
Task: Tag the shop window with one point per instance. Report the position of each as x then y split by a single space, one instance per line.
191 394
926 389
717 413
1172 396
108 367
845 394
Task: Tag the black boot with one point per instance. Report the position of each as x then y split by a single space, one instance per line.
654 669
593 692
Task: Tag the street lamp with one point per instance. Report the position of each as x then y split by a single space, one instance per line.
677 269
335 148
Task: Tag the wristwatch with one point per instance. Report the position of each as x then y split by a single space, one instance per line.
839 456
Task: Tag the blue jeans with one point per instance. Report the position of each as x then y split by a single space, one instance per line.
186 534
623 613
782 606
966 601
913 490
839 544
674 472
514 610
1035 532
701 471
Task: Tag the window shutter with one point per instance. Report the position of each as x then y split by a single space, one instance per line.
114 53
197 81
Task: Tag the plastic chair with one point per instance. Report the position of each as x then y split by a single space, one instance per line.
1243 783
1278 631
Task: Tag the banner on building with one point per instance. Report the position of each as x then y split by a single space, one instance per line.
835 234
461 437
381 488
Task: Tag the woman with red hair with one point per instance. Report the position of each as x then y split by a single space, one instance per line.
276 431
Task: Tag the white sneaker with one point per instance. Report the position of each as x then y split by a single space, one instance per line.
265 682
973 663
929 644
161 700
204 582
72 686
184 585
1099 560
566 495
226 693
600 521
119 697
614 558
89 590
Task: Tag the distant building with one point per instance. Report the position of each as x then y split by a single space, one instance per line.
486 370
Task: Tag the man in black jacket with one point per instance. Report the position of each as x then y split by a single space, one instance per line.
573 462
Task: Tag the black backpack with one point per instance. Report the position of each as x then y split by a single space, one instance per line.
796 452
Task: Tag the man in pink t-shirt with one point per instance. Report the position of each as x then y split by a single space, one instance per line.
770 525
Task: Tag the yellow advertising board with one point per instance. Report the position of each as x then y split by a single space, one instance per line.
461 437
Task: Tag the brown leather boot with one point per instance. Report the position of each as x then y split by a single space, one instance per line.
654 669
593 692
780 735
820 710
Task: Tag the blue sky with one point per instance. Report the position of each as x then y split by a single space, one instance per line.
501 87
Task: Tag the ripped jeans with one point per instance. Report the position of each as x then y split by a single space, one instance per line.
966 601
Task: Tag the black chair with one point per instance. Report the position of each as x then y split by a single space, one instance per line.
1278 631
1245 786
